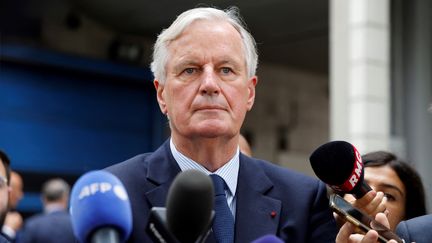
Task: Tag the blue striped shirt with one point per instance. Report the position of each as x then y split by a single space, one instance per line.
229 172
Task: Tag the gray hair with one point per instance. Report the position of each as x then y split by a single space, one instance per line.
230 15
55 189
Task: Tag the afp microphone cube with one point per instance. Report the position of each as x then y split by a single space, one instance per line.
99 200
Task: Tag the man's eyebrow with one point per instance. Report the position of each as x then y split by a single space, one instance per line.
182 64
230 61
186 62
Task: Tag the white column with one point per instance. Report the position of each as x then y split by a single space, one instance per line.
359 47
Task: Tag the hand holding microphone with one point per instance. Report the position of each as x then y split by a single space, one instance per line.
347 233
339 165
100 209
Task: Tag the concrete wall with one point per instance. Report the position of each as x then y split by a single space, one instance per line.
290 117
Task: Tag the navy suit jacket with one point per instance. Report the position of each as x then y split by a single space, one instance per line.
270 199
48 228
4 239
417 229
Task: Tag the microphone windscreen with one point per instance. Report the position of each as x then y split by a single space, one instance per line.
189 205
339 164
333 162
268 239
98 200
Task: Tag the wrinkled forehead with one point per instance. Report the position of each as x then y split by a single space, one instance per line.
208 28
208 36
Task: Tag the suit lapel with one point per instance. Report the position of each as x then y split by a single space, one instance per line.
161 172
256 213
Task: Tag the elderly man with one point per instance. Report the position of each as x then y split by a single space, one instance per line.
204 66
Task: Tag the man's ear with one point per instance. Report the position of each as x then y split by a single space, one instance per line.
160 96
251 89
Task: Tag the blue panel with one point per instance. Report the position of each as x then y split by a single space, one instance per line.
50 58
30 203
67 115
57 120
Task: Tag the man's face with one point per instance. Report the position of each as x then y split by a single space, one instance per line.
16 185
4 193
207 92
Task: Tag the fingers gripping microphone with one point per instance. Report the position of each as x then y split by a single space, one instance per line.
340 166
100 209
189 210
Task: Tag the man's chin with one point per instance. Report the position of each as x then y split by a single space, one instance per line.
210 131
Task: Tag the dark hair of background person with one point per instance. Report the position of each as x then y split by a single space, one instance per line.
6 163
415 202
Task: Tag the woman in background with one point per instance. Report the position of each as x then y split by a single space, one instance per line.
400 183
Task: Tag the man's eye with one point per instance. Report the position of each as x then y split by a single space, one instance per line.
189 70
226 70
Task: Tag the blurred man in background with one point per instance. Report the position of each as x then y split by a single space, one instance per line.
417 229
14 220
54 224
4 189
245 146
17 186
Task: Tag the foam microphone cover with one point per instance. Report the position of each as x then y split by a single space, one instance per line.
189 205
338 163
268 239
99 200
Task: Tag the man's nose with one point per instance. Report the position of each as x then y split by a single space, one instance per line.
209 82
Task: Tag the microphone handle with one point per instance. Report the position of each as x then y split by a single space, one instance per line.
364 188
105 235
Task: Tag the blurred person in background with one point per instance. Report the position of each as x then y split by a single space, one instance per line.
417 229
4 190
399 183
14 220
54 224
17 193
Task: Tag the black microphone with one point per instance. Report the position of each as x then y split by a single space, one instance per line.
339 165
189 210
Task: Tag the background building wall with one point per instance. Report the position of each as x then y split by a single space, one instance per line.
290 117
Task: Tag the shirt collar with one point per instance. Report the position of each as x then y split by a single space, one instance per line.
54 207
229 171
